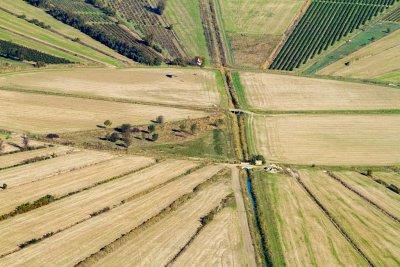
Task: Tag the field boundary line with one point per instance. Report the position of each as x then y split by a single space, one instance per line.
174 205
104 209
323 112
108 99
296 176
346 185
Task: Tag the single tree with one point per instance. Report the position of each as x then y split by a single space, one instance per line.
183 126
127 138
4 187
193 128
369 172
126 127
154 137
151 128
25 141
219 122
161 7
149 39
114 137
107 123
135 130
160 119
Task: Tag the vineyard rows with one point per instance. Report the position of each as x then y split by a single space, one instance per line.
323 24
142 13
393 16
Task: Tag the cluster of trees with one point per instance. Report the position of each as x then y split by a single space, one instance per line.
21 53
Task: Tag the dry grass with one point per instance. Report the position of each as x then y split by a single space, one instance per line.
69 211
44 169
145 85
389 178
45 113
376 234
157 244
90 236
18 158
377 193
62 184
378 60
219 244
282 92
329 139
306 235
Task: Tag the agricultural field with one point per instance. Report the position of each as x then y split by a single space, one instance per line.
127 201
143 14
20 7
373 232
40 113
186 18
254 28
289 93
160 86
315 33
297 232
377 61
328 139
388 177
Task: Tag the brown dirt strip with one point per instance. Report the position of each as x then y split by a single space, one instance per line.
91 235
346 185
297 177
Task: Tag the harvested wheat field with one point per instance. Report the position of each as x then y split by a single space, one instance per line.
67 212
73 181
10 160
375 192
376 235
219 244
44 113
98 231
296 229
378 60
328 139
158 243
166 86
283 92
388 177
43 169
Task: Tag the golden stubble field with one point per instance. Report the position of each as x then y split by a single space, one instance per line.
185 87
290 93
328 139
39 113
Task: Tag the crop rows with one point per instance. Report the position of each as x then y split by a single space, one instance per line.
324 23
141 13
393 16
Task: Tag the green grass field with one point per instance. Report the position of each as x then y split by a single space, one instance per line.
186 20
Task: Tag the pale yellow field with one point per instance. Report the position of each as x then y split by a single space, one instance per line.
69 211
373 232
378 60
62 184
283 92
43 169
17 158
219 244
328 139
259 16
186 87
379 194
390 178
157 244
91 235
44 113
307 236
